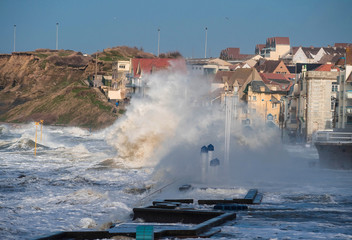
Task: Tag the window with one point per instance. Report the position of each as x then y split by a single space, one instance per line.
334 87
249 98
349 120
122 66
254 98
274 105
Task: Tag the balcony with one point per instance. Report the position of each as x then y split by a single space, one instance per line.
349 94
348 110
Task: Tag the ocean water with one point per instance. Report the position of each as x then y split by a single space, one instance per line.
75 183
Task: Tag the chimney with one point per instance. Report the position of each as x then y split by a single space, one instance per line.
349 55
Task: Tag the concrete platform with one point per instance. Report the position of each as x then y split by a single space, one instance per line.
252 197
170 218
203 229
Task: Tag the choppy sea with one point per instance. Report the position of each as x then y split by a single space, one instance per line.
73 183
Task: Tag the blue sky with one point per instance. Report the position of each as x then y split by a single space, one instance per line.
88 26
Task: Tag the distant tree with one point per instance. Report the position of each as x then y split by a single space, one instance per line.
174 54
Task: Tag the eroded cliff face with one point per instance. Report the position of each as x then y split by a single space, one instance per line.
50 85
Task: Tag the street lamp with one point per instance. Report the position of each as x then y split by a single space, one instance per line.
57 36
206 38
158 41
14 38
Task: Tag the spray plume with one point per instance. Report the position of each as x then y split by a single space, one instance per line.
166 128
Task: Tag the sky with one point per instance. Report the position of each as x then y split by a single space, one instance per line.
91 25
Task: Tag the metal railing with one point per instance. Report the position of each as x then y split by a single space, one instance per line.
333 137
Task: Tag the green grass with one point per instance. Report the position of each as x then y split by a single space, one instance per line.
85 94
42 55
112 56
65 53
42 64
122 111
64 118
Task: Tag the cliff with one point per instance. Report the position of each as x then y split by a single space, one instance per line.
50 85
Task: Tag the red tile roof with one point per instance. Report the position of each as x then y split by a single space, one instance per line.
149 65
342 45
281 80
326 68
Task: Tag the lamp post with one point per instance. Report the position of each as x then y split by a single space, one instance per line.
96 68
57 36
206 38
14 38
158 41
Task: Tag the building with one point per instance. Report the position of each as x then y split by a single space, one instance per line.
275 48
233 55
258 48
316 54
146 66
344 79
234 81
207 66
316 102
262 103
272 66
277 82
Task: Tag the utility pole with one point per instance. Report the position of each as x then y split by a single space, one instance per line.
206 38
57 36
14 38
158 41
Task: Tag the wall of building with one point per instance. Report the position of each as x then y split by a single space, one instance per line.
263 105
319 92
280 51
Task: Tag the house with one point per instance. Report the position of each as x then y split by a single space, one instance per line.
234 81
207 66
252 62
233 55
262 103
272 66
316 54
144 67
147 66
276 87
344 109
306 54
275 48
277 82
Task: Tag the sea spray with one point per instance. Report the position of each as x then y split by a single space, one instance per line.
167 125
164 116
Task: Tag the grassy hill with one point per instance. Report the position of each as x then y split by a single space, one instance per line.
50 85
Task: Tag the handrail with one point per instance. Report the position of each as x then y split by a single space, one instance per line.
329 136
